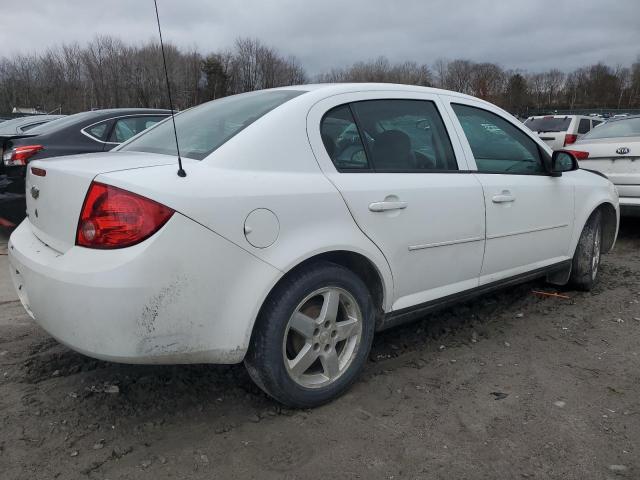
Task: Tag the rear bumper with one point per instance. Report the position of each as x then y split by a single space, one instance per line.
185 295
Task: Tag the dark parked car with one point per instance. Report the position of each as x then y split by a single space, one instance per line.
87 132
18 127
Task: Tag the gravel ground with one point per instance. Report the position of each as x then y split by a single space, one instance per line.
512 385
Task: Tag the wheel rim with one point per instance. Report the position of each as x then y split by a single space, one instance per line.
322 337
595 259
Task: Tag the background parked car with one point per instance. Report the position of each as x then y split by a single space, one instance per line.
87 132
614 150
16 127
558 131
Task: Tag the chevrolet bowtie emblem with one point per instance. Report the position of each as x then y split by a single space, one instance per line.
35 192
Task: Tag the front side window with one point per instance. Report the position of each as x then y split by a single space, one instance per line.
204 128
497 145
584 126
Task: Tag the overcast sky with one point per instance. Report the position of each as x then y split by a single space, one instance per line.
526 34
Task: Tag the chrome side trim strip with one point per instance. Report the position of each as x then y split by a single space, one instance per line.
444 244
522 232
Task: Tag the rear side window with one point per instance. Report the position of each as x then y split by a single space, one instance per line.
497 145
388 136
548 124
204 128
404 136
342 140
98 131
125 128
584 126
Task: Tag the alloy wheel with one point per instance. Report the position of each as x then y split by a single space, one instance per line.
322 337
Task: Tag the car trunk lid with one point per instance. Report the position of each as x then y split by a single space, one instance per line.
618 159
56 189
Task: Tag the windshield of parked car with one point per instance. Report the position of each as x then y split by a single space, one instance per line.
629 127
548 124
204 128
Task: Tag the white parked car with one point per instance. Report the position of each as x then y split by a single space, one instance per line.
559 131
310 217
614 150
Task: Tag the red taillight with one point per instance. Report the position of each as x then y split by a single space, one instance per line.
115 218
579 154
19 155
569 138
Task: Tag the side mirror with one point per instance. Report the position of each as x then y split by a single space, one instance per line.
563 161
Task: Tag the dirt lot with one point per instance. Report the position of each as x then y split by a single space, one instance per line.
513 385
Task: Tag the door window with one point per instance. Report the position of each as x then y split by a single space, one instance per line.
125 128
584 126
404 136
497 145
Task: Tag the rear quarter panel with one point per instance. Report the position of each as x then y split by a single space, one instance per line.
591 191
269 165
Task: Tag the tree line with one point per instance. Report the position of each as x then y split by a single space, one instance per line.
108 73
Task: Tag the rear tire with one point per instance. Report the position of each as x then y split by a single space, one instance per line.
586 259
313 336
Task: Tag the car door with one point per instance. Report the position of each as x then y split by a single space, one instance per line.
529 213
403 181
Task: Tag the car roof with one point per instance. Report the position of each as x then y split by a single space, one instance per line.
337 88
559 115
84 119
618 119
132 111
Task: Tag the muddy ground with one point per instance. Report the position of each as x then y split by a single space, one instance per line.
512 385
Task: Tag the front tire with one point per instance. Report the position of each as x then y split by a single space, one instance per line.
313 336
586 259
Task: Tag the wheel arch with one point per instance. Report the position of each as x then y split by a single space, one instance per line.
364 267
609 225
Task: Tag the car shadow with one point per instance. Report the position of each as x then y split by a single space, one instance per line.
137 392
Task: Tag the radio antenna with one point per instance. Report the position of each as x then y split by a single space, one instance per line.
181 172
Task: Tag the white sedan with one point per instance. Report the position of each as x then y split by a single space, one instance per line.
613 149
310 217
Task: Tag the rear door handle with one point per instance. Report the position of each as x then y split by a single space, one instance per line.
504 197
386 206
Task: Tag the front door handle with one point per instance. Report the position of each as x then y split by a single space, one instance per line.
386 206
504 197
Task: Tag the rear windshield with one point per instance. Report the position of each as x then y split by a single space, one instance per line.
204 128
548 124
61 123
629 127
